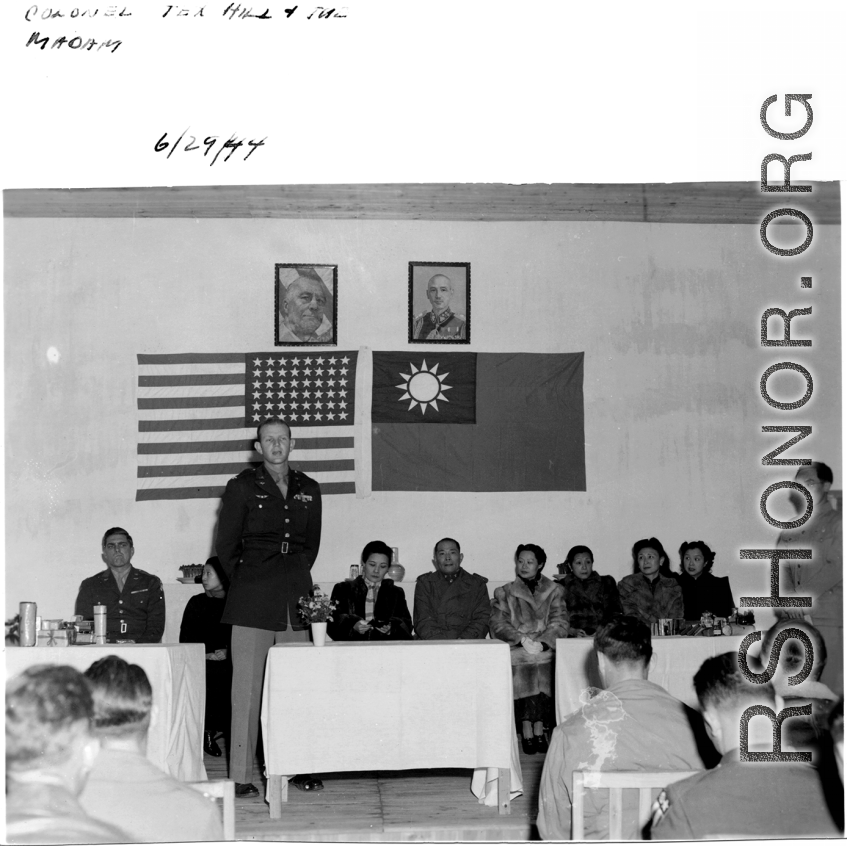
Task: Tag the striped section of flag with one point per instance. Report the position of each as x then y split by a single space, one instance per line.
198 412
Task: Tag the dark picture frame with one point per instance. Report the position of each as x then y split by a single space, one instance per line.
296 310
431 320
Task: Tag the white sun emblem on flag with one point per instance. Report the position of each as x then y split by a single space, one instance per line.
423 387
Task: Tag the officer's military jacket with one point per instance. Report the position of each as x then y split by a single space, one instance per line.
445 326
267 545
135 613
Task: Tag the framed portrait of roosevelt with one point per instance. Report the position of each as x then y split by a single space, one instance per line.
439 302
305 297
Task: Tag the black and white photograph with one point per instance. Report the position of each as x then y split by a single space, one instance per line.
348 571
305 299
439 302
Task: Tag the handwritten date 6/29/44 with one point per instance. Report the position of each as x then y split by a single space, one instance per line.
207 145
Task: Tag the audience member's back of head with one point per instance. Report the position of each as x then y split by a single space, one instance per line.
721 686
122 695
625 640
46 707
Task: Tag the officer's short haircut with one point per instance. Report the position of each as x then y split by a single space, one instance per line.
720 684
440 276
122 694
45 707
626 640
269 421
452 540
116 530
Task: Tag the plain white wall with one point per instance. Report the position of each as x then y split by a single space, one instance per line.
668 317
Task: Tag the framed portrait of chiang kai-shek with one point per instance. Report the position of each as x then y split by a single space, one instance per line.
439 302
305 297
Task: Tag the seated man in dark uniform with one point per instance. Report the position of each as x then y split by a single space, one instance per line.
134 600
451 604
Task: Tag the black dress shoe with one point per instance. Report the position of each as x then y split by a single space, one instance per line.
528 745
541 744
210 745
244 790
306 782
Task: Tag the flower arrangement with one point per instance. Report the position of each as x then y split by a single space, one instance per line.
13 631
317 607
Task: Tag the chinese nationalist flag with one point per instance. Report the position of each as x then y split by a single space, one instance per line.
459 421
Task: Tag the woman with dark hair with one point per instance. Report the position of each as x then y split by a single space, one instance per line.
651 592
201 623
529 614
592 599
702 591
370 607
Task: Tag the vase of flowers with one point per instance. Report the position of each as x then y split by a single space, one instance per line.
316 609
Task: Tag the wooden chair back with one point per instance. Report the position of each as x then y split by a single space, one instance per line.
616 783
220 789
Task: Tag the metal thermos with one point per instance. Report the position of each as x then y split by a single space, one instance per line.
27 629
100 624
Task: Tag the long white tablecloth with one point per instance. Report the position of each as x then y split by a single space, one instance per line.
675 661
177 673
392 706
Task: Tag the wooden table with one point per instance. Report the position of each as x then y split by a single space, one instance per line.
675 661
390 706
177 674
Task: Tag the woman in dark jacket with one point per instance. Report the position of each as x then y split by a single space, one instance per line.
592 599
370 607
701 591
651 592
201 623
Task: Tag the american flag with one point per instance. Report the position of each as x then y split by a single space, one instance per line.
198 412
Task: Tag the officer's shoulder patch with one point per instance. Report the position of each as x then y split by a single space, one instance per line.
660 807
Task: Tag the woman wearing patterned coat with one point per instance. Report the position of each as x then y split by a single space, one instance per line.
529 614
592 599
651 592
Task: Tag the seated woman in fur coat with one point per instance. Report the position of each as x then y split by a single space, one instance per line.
651 592
529 614
370 607
592 599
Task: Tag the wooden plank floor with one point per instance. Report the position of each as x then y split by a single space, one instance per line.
404 805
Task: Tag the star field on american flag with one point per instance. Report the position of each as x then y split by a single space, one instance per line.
307 389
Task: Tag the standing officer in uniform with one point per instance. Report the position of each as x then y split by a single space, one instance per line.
440 324
269 533
822 577
134 600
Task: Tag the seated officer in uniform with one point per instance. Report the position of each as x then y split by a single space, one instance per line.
126 790
50 750
440 324
742 799
134 600
451 604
